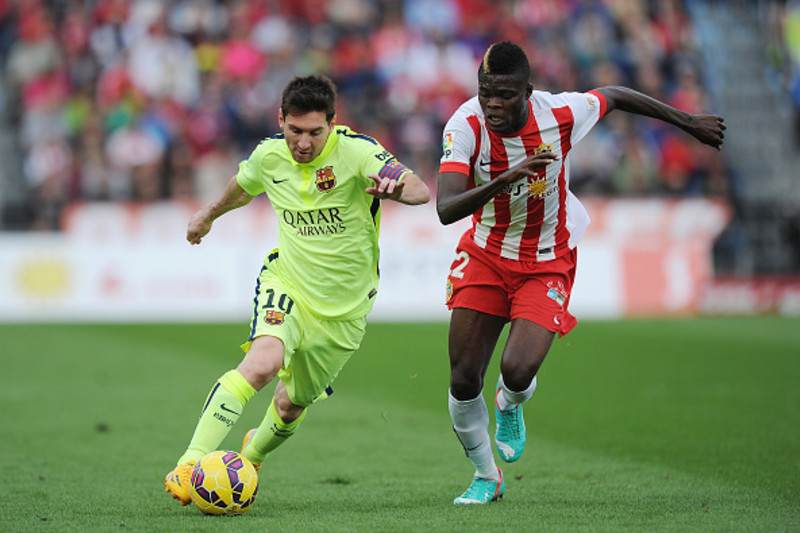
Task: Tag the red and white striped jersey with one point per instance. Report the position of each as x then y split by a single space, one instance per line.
536 218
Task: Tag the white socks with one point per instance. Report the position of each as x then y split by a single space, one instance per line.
508 399
470 422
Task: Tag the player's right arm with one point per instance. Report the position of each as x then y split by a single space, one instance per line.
232 197
708 129
455 200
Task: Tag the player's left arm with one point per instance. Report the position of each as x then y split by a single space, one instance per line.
397 182
708 129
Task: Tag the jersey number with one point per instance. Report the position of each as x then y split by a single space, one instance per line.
458 270
285 303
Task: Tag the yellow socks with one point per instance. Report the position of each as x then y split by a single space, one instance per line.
221 411
270 434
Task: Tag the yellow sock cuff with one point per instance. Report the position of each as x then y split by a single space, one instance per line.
272 416
235 383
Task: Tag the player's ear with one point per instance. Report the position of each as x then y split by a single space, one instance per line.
332 123
529 90
280 118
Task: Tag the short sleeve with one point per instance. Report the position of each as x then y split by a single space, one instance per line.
587 109
378 160
249 175
459 140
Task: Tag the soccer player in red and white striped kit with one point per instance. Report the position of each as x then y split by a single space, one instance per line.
505 162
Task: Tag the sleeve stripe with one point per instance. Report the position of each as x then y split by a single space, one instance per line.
603 103
454 166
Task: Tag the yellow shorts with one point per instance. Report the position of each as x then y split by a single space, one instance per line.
315 349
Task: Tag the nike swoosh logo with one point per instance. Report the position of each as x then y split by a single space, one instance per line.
279 181
225 408
484 163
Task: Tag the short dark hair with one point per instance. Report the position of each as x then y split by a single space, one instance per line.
505 58
305 94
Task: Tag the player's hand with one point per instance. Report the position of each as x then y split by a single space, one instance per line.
528 167
199 226
385 188
708 129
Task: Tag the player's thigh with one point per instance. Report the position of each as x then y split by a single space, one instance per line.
328 345
526 348
275 312
472 338
276 329
262 361
542 294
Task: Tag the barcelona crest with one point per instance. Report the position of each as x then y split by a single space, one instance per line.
326 180
274 318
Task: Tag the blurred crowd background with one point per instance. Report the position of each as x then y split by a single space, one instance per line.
150 100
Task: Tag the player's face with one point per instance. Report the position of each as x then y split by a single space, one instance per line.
305 134
504 101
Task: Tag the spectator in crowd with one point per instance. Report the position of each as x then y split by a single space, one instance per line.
141 101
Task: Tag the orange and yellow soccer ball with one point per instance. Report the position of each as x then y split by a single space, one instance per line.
224 482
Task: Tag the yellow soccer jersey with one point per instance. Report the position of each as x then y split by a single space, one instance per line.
328 226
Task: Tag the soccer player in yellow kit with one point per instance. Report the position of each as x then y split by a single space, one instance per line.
313 294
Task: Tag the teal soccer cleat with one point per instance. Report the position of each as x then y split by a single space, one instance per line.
483 490
510 433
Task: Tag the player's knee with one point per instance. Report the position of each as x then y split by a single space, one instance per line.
518 377
262 361
287 411
465 387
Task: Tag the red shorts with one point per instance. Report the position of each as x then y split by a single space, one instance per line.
535 291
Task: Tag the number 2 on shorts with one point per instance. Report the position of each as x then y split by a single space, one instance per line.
457 271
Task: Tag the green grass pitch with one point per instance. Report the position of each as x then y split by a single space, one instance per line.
637 425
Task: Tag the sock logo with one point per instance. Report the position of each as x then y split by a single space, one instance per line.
228 409
281 433
225 420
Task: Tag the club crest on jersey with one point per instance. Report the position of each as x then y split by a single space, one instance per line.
274 318
556 291
326 180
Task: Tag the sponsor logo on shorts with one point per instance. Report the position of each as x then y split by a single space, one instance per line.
326 180
274 318
556 291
